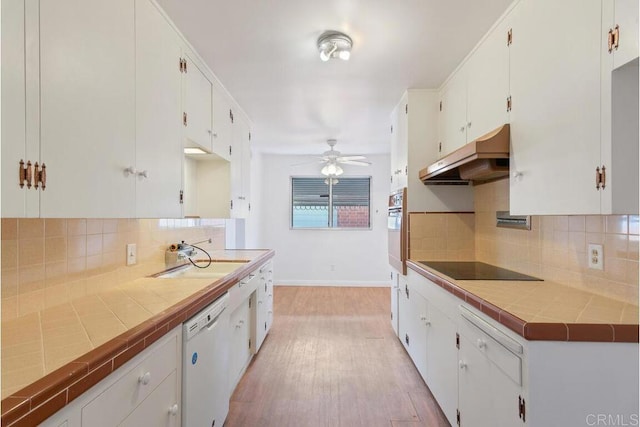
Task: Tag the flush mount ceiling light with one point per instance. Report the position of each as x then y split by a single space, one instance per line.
334 44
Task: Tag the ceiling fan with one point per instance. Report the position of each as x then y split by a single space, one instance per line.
332 160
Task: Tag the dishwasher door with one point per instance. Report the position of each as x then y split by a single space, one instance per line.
205 391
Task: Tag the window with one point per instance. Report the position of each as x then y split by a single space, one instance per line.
330 202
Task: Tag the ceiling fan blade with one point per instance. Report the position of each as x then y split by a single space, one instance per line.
355 162
344 158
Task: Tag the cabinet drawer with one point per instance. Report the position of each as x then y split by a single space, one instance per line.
242 290
494 344
119 400
160 409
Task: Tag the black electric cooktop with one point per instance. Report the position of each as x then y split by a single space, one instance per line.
463 270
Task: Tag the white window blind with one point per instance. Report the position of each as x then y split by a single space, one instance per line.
330 202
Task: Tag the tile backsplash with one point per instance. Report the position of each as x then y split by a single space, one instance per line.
554 249
556 246
442 236
48 261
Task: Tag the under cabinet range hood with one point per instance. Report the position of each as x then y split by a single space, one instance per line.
484 159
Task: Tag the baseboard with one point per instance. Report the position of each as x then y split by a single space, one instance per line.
340 283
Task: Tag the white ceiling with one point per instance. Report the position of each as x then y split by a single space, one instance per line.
264 52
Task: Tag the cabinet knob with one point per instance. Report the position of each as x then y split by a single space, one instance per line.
173 410
143 174
469 124
517 174
423 318
259 302
130 171
462 128
145 378
462 364
481 343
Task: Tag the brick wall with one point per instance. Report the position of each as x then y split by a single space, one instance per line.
352 216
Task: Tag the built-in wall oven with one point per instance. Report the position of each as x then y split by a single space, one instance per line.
397 227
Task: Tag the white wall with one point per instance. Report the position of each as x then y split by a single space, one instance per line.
318 257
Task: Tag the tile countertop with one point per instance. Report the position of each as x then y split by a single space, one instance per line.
543 310
64 350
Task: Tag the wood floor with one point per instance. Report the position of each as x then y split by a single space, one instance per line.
332 359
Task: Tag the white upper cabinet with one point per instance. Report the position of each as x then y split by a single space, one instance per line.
474 100
555 115
400 144
222 124
488 83
621 22
198 106
18 141
452 120
240 167
87 107
158 115
574 117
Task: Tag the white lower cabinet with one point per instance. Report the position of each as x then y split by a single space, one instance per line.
484 375
239 345
151 413
251 302
144 391
441 361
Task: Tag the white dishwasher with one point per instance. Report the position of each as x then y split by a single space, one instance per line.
205 374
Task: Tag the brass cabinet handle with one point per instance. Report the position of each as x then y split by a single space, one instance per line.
36 179
616 37
597 177
43 176
29 174
603 177
22 174
610 40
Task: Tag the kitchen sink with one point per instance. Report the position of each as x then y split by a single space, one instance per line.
216 270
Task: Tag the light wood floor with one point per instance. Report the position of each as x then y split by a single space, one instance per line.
332 359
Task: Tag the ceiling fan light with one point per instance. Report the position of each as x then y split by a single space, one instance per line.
325 170
338 171
323 56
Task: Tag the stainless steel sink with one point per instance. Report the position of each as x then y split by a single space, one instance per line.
216 270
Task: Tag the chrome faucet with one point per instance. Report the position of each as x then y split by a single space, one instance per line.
180 252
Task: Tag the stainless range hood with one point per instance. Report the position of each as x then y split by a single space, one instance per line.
484 159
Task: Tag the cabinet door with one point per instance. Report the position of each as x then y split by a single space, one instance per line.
488 84
404 314
395 291
240 334
222 126
261 312
418 329
555 116
402 161
158 128
442 370
453 116
87 106
20 139
394 150
240 167
160 409
626 18
474 400
197 104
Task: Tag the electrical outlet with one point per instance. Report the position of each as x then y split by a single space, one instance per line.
595 257
132 254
